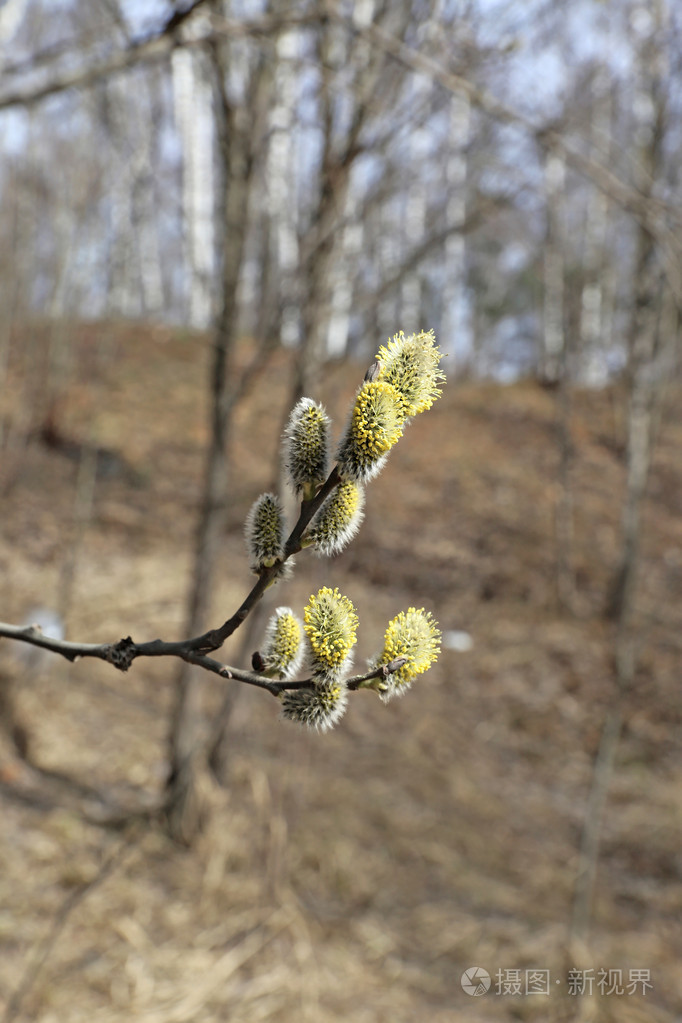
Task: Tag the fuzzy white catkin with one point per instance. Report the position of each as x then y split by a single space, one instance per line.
264 531
339 518
306 446
320 708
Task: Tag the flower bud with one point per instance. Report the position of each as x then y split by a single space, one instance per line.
411 365
376 423
413 635
265 532
339 518
306 447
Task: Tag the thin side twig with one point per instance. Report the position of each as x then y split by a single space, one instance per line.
122 653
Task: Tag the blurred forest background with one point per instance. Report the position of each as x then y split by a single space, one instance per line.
206 211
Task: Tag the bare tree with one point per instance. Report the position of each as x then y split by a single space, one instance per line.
652 339
195 122
240 125
597 293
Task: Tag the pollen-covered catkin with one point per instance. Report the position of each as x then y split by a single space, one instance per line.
413 634
375 425
412 365
330 623
282 651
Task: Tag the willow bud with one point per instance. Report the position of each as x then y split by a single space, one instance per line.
264 532
339 518
319 708
306 447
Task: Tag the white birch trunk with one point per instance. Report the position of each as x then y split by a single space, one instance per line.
553 306
123 294
347 250
195 125
145 221
135 262
11 16
415 212
597 291
388 258
280 178
343 272
456 329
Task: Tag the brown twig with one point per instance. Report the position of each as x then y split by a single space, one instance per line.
122 654
128 650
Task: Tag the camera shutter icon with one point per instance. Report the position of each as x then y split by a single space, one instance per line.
475 981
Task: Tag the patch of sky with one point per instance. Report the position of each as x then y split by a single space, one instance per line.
13 132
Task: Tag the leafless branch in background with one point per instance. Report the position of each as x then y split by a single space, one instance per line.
652 339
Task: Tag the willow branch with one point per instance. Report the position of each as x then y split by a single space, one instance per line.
122 654
195 651
355 681
215 638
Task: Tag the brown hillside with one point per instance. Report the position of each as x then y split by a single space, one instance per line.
352 876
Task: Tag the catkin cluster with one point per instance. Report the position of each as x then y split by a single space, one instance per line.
403 382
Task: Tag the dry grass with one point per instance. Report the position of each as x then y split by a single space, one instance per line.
352 876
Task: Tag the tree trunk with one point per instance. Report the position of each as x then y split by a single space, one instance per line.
194 118
556 372
596 296
456 317
183 805
651 342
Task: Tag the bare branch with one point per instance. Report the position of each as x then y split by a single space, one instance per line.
122 654
152 49
149 50
652 213
72 651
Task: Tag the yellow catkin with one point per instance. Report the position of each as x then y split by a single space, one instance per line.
412 634
412 365
330 623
